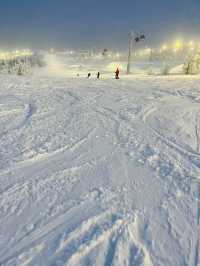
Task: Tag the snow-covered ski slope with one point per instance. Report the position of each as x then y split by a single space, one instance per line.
99 172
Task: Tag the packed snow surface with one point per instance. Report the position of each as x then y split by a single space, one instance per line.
99 172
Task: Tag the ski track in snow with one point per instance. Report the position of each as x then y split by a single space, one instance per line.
99 172
16 110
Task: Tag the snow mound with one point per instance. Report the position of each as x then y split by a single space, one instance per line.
114 65
123 68
177 69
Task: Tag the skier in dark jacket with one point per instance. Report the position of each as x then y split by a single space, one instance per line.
117 74
89 75
98 75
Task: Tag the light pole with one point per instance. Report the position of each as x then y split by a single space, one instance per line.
135 39
130 47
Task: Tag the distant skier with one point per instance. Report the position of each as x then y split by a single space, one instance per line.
89 75
117 74
98 75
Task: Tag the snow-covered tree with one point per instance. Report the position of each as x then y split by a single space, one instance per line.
192 66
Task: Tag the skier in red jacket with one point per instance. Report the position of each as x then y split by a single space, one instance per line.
117 73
